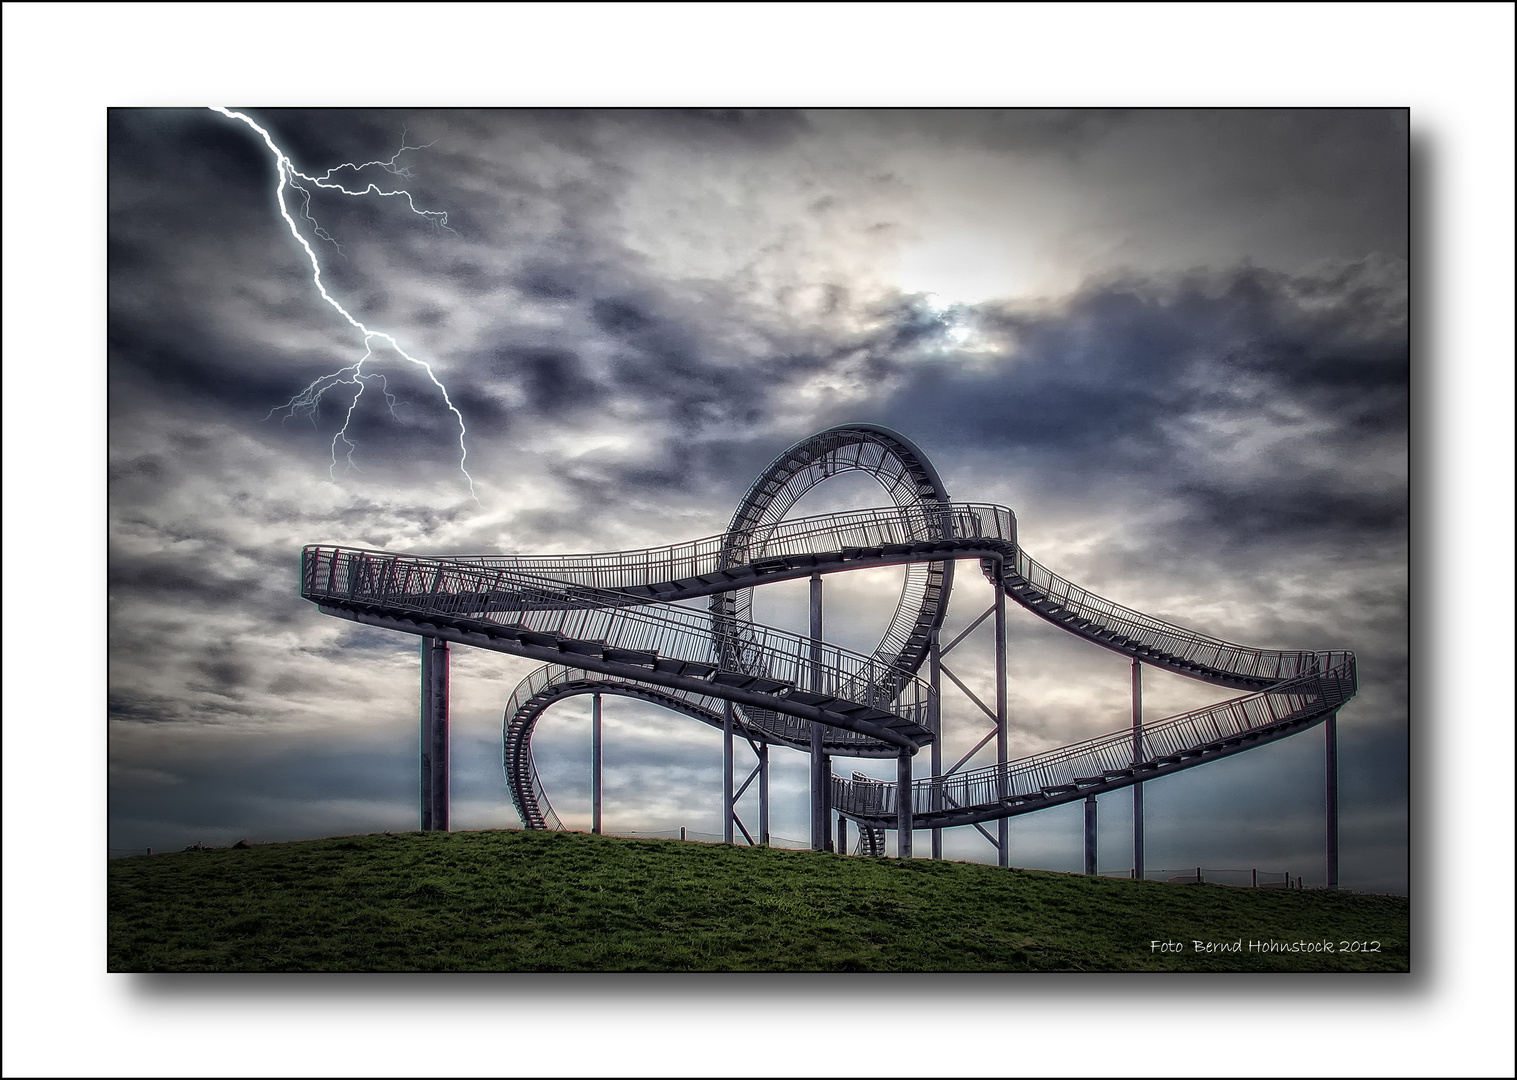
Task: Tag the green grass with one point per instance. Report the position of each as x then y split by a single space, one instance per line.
534 901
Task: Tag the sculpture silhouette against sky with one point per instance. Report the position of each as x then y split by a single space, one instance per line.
612 623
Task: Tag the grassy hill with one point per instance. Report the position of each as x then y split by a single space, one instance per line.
534 901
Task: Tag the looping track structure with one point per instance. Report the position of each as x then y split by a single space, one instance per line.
612 624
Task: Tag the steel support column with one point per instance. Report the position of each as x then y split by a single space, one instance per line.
434 735
1090 835
763 782
842 835
1137 756
903 805
726 772
821 794
935 721
1330 737
1003 826
821 764
595 760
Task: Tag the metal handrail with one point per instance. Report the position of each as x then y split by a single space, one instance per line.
545 684
669 563
1110 755
995 525
604 600
1164 637
422 588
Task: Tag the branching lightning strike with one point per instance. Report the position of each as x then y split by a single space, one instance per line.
307 401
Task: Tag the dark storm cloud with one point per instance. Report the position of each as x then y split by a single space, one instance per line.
1164 383
1119 363
190 151
201 366
664 357
185 345
165 578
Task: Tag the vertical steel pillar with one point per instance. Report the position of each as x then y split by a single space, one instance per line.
816 632
1003 826
726 772
763 781
903 805
434 734
595 760
1090 835
842 835
821 764
935 718
821 778
1330 735
1137 756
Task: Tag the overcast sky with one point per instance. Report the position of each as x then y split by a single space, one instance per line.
1173 341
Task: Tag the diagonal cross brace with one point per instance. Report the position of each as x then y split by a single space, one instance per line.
995 843
738 794
960 763
946 670
987 613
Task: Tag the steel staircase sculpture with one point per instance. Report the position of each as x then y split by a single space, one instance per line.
613 623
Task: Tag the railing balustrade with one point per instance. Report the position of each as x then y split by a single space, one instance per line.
576 598
570 612
837 532
1185 734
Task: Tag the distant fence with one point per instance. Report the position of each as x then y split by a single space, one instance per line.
1251 878
708 837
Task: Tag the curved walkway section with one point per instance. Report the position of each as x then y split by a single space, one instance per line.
613 623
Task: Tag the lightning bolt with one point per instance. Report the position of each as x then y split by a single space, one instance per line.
307 401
